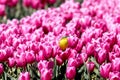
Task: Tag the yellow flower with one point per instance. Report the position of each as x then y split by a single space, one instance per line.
63 43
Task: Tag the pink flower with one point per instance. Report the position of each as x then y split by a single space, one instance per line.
72 41
72 62
24 76
71 72
3 1
35 4
114 75
12 3
101 56
90 49
46 74
90 66
3 55
20 59
27 3
116 64
59 60
11 62
1 69
45 64
47 50
2 10
30 57
51 1
105 70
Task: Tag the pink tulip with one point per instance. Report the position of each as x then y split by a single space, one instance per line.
72 62
2 10
105 70
20 60
71 72
116 64
51 1
3 1
3 55
114 75
11 62
59 60
45 64
12 3
30 57
101 56
24 76
46 74
1 69
90 49
90 66
27 3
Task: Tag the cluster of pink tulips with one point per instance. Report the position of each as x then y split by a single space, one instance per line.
72 41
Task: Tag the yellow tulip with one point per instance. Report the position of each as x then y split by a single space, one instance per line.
63 43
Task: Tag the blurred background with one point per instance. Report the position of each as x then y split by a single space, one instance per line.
10 9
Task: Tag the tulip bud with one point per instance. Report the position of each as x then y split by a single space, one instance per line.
2 10
90 49
1 69
90 66
59 60
27 3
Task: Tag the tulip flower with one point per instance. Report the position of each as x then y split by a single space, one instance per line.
116 64
1 69
63 43
2 10
105 70
70 72
24 76
90 66
114 75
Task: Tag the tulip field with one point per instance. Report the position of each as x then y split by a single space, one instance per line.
59 39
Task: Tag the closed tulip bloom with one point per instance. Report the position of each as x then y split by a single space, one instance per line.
90 66
105 70
27 3
59 60
1 69
2 10
71 72
24 76
90 49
